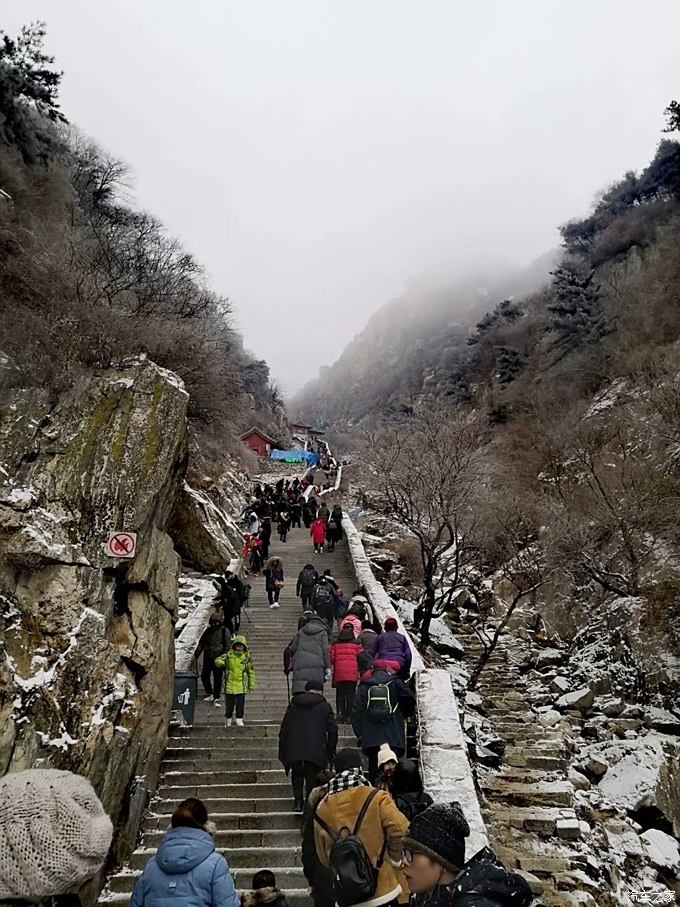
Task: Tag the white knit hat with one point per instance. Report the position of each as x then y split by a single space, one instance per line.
54 833
386 754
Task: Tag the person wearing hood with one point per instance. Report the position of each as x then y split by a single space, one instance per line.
213 642
345 672
392 646
367 636
274 581
438 875
382 706
308 738
318 534
264 892
310 653
239 679
186 868
304 587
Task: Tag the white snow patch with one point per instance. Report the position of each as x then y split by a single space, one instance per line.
662 849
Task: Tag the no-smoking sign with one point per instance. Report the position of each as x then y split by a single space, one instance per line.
122 544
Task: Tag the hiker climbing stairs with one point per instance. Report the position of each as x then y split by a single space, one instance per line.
235 770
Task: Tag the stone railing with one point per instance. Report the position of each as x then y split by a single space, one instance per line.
445 767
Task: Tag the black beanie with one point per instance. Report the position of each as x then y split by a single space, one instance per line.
347 758
440 832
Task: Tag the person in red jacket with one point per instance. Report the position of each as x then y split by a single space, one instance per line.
345 672
318 534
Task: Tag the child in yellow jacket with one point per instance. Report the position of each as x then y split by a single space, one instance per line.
239 678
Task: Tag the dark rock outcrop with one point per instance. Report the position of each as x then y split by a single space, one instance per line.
86 642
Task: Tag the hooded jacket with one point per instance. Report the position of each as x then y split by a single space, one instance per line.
186 871
311 654
373 734
344 657
392 646
273 574
264 897
239 672
306 580
318 531
214 640
483 882
309 731
354 621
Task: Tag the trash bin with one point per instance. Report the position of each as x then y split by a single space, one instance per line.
186 691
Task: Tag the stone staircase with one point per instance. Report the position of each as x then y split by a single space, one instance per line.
528 803
235 770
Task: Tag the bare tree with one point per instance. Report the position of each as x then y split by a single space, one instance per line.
516 559
425 475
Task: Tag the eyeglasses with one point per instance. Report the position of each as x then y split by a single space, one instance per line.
408 856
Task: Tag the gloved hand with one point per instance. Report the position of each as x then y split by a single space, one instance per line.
327 675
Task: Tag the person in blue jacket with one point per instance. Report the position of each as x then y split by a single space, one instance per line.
186 870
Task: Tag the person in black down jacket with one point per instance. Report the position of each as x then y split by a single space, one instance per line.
374 725
436 871
307 740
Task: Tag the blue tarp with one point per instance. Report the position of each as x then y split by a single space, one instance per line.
296 456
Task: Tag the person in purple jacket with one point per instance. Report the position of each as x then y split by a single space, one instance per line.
392 646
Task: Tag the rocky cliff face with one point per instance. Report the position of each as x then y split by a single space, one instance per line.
86 642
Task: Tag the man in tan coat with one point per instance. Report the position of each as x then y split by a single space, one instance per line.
382 829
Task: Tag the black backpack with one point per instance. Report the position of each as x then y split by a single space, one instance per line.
355 878
379 706
324 601
308 578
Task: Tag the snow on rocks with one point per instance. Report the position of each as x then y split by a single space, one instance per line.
643 773
581 699
662 849
199 598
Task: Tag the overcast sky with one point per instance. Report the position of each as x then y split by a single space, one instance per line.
315 155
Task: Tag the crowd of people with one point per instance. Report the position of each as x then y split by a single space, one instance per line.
287 505
370 834
409 847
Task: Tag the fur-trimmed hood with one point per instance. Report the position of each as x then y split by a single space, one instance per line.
264 897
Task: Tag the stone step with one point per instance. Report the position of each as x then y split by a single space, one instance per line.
235 820
243 838
238 857
542 820
288 879
239 791
263 762
196 749
263 729
523 774
201 779
541 793
523 756
296 897
228 804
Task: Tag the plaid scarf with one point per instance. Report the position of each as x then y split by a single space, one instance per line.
353 777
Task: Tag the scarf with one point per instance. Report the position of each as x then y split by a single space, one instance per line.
353 777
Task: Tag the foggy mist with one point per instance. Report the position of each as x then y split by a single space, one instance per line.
314 156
